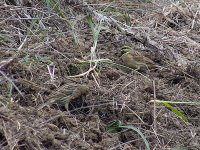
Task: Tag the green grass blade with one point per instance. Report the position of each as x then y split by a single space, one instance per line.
32 25
171 102
55 7
96 28
173 109
90 21
114 126
140 133
176 111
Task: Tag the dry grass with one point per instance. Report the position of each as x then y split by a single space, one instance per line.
43 47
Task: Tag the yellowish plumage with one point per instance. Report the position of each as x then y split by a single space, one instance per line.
135 60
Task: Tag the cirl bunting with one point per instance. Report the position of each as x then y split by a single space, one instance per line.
135 60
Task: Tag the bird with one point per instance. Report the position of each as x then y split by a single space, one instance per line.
66 94
136 60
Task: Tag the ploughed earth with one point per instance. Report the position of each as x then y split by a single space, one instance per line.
60 90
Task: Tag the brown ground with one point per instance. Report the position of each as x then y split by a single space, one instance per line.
39 51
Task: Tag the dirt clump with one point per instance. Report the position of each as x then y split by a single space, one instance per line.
60 89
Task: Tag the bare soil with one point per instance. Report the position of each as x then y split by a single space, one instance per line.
40 71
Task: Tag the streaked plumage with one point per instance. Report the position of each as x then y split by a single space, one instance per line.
135 60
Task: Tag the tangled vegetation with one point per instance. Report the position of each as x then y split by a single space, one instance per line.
99 75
